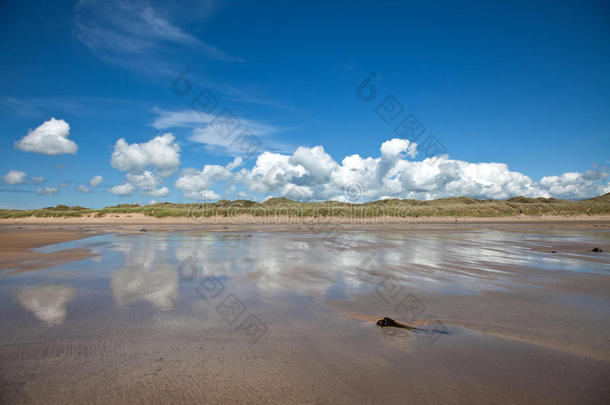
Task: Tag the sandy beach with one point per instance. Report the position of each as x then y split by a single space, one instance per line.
511 312
142 219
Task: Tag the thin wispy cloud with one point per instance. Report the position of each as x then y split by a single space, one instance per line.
126 32
204 133
73 105
238 95
14 190
136 36
22 108
193 119
179 119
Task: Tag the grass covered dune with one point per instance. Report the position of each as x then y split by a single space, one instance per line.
443 207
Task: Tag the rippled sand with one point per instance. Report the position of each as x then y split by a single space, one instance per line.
288 315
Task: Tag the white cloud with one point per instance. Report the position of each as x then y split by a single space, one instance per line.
159 192
272 171
82 189
235 163
318 164
394 148
50 138
48 190
147 184
312 174
146 180
38 179
63 184
196 184
14 177
208 195
122 189
160 153
575 185
95 181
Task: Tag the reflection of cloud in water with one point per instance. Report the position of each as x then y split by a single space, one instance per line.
158 285
196 250
308 264
301 264
146 275
47 302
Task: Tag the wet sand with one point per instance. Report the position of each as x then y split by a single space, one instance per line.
125 317
17 244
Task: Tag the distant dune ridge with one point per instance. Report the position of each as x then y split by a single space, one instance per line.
443 207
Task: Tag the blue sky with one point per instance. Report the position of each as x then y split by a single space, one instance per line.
515 93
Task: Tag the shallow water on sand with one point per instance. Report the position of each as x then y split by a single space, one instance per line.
213 317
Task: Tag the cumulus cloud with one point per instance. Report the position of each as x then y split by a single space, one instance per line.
38 179
158 192
312 174
317 163
575 185
196 184
95 181
50 138
148 183
394 148
146 165
146 180
235 163
160 153
14 177
82 189
48 190
122 189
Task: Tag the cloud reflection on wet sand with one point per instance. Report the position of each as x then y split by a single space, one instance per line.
47 302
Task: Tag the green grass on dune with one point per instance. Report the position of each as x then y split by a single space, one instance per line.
443 207
57 211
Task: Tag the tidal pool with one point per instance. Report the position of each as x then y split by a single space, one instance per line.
280 317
